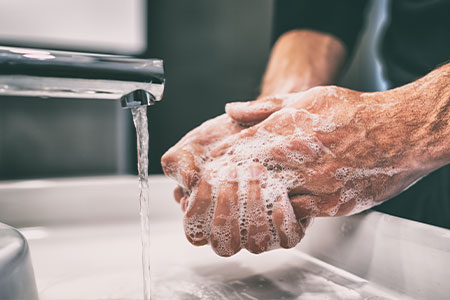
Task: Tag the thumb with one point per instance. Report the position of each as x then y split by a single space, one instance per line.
305 207
253 111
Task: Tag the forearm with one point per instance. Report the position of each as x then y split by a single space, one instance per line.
417 119
435 88
302 59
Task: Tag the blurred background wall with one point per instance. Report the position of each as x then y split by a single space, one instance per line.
67 137
214 52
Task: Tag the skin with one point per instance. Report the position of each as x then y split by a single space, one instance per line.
300 59
255 177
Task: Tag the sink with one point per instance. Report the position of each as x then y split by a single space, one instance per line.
16 272
84 240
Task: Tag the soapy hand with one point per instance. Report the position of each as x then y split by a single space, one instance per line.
328 151
331 150
184 161
300 60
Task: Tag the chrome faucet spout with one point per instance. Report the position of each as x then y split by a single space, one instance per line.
62 74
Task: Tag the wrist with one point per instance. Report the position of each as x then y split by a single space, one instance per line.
410 126
429 100
437 89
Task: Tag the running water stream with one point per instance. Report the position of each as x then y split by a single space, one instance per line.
141 124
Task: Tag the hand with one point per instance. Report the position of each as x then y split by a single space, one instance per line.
313 58
183 162
328 151
333 150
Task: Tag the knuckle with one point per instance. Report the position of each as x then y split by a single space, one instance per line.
255 249
196 242
223 248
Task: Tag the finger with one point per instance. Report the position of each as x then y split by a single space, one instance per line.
197 217
254 111
259 237
329 205
304 223
184 203
288 229
346 208
305 206
220 150
225 236
179 164
178 193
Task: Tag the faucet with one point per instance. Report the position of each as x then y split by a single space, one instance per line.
62 74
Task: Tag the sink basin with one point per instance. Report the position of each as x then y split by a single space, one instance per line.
84 239
103 262
16 272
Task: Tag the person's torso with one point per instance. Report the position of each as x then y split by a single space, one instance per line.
417 39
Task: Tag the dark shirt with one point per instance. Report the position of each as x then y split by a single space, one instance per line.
417 38
416 41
